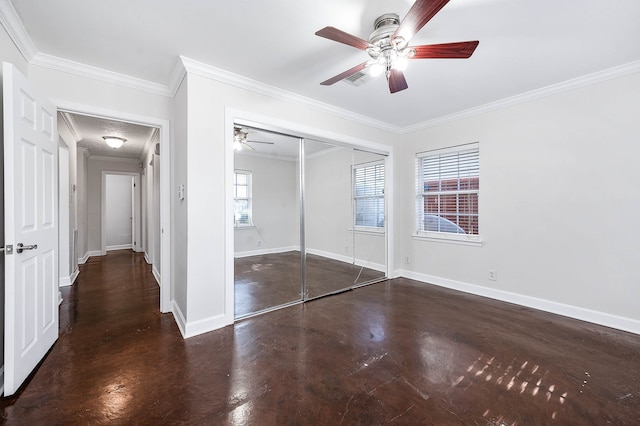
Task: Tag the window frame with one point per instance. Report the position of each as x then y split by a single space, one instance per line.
354 197
440 236
249 199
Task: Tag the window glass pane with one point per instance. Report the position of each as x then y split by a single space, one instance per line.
242 192
368 192
449 183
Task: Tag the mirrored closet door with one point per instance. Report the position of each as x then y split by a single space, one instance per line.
309 219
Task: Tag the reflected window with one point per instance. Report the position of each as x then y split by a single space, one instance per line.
242 198
448 186
368 195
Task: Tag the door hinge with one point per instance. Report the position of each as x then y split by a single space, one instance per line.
8 249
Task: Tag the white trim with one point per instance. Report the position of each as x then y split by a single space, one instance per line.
191 329
449 238
2 380
207 71
13 24
250 253
67 281
583 314
88 71
554 89
146 258
156 274
71 124
120 247
87 255
348 259
179 318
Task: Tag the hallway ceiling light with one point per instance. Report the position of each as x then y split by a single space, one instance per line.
114 142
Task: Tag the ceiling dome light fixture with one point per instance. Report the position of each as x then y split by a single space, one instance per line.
114 142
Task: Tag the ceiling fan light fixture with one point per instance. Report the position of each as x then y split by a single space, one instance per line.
114 142
400 63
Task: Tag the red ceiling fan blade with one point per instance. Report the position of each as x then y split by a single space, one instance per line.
397 82
420 13
344 75
341 37
462 49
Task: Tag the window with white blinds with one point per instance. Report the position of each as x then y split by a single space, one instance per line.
242 198
448 187
368 195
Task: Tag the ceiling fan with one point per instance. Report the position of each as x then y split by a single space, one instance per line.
240 139
388 44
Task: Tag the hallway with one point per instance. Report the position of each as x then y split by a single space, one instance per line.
395 352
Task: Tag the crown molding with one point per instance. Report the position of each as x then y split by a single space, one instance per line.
217 74
89 71
17 32
84 151
554 89
71 124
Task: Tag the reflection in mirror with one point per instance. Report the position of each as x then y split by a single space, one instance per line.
266 221
369 228
340 255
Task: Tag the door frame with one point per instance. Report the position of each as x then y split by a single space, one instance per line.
164 138
294 129
136 206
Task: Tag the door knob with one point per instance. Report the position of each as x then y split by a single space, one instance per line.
21 247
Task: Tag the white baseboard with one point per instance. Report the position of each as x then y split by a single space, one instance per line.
156 274
197 327
571 311
265 251
67 281
91 253
348 259
146 258
120 247
2 380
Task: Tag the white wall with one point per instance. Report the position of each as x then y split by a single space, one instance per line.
119 211
276 211
558 199
82 204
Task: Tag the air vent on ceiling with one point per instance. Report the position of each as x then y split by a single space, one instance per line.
357 79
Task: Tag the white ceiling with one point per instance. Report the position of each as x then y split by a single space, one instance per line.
525 45
88 132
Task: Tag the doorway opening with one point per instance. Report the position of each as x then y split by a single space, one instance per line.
121 219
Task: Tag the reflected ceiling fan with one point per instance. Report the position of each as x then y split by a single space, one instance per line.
240 140
388 45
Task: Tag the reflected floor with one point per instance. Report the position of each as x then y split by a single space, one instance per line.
269 280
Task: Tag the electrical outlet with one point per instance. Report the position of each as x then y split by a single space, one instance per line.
493 275
407 260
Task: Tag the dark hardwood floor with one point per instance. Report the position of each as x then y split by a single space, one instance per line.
397 352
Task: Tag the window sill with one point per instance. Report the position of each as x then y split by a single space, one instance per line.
466 240
240 227
366 230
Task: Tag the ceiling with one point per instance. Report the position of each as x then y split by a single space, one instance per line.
89 130
524 46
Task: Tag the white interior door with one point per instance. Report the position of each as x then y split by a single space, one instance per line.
31 220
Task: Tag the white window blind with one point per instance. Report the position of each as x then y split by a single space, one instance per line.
242 198
448 187
368 195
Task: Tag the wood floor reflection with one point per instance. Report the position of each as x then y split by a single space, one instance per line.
396 352
268 280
